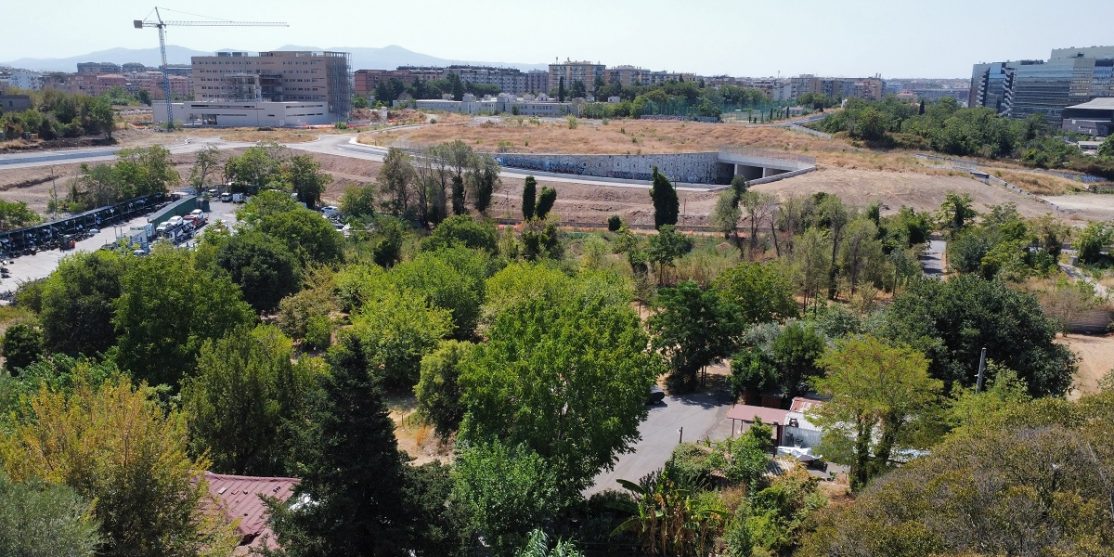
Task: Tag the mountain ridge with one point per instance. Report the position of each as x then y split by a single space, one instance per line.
386 57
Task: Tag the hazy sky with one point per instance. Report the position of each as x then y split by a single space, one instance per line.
896 38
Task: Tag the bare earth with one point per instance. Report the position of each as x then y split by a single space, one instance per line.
1096 359
922 192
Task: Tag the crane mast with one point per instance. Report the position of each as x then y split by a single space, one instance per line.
161 25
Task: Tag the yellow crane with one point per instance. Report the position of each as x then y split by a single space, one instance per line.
159 23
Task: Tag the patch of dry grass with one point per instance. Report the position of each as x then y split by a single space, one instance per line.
1038 182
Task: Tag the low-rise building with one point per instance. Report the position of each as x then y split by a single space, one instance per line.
232 114
239 500
14 103
1094 117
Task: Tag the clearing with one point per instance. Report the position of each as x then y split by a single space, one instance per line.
1096 356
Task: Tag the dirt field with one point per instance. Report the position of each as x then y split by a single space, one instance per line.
1096 359
922 192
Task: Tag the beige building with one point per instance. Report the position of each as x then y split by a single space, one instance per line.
278 76
571 72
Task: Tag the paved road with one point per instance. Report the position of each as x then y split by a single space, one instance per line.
702 415
102 154
932 260
343 145
1078 274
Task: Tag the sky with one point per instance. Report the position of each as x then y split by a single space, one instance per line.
894 38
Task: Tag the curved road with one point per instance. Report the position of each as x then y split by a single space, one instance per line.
342 145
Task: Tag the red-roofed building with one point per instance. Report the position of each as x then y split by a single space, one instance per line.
240 498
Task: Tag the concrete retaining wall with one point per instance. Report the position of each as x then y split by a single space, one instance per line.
693 168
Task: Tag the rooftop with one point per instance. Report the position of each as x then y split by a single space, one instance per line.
1100 103
239 497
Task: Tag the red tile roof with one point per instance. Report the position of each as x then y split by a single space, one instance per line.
804 404
239 498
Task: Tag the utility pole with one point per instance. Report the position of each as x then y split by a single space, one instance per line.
982 371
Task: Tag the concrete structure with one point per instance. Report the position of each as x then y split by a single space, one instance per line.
1094 118
14 103
223 114
571 72
278 76
692 168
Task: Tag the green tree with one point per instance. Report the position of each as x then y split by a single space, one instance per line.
206 163
310 238
15 214
484 180
438 389
1092 241
811 263
458 195
22 345
397 181
463 230
257 167
354 472
674 515
115 444
262 267
246 387
666 246
358 201
167 308
546 199
795 351
1107 148
664 196
692 328
305 175
454 288
876 393
956 211
504 490
952 321
395 330
565 371
758 292
42 520
529 194
1031 483
774 519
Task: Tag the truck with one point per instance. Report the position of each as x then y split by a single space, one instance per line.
147 230
237 198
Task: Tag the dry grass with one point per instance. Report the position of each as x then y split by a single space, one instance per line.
1096 358
1038 182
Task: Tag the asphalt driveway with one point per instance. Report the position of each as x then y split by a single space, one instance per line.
702 415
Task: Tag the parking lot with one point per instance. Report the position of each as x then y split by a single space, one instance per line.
37 266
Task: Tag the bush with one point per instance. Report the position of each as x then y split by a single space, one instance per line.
22 345
614 223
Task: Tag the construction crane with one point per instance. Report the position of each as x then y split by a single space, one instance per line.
160 24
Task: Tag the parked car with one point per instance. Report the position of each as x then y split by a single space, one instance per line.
656 396
226 197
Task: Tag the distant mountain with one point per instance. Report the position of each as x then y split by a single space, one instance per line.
145 56
391 56
388 57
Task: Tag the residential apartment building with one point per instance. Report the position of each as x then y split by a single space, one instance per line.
20 79
627 76
570 72
1023 88
278 76
508 80
97 68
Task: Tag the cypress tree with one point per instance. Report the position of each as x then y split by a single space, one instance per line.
529 193
666 205
545 202
354 474
458 196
